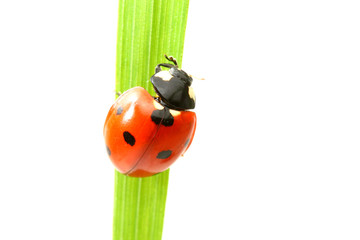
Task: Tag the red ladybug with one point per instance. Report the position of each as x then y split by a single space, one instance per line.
143 134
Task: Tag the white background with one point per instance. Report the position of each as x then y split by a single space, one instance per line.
276 153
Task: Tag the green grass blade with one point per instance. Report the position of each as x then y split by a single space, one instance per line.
147 29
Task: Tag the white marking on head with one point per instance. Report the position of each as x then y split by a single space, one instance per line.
157 105
174 113
164 75
191 93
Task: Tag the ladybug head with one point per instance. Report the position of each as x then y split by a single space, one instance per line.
173 86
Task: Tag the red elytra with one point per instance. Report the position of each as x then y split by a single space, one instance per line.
143 137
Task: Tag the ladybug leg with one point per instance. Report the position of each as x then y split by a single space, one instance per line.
118 94
158 67
168 65
171 59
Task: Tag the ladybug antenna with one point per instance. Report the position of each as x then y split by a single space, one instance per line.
171 59
196 77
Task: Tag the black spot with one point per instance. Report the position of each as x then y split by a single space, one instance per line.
187 142
164 154
156 116
119 110
129 139
163 117
108 150
168 118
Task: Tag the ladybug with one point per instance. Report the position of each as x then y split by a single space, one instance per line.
143 134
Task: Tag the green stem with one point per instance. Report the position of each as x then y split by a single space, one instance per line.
147 29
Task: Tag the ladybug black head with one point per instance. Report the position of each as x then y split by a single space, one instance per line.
173 86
